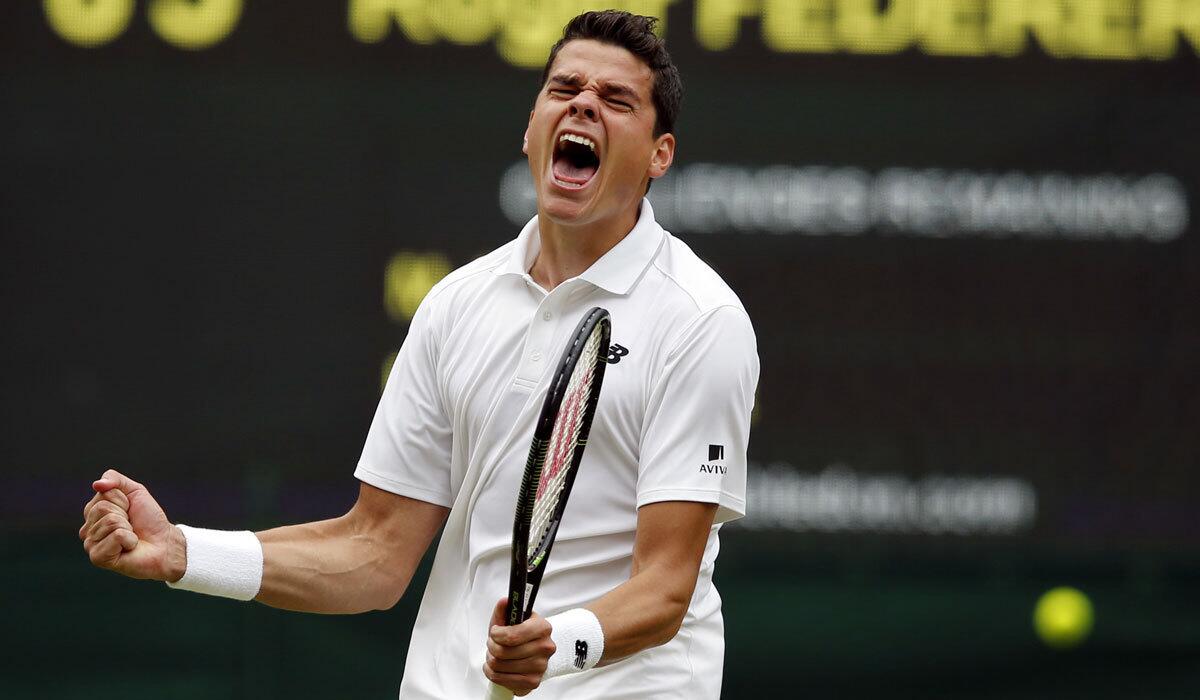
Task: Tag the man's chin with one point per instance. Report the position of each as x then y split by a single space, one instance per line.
563 208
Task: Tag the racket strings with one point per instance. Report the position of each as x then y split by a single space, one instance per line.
563 441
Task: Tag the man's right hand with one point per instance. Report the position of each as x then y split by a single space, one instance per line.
125 530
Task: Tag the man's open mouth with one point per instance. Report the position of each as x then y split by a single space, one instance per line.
575 161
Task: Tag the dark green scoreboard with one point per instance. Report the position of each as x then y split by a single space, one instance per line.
965 231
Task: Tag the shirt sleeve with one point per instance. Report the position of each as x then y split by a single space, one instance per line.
408 448
698 418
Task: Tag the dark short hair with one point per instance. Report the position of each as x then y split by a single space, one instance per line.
634 33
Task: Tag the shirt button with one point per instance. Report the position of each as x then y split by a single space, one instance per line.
546 316
536 355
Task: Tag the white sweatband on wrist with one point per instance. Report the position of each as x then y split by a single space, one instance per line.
221 562
578 641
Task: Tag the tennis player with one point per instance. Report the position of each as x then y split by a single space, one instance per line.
629 604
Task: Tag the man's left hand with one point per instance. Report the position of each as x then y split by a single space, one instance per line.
517 656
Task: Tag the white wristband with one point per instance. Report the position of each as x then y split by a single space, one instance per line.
578 639
221 562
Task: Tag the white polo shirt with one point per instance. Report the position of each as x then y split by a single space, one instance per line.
454 424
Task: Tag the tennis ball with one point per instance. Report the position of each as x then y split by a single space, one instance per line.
1063 617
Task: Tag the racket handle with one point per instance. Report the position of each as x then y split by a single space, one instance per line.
498 692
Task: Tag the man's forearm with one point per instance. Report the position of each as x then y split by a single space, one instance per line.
360 561
648 609
330 566
641 613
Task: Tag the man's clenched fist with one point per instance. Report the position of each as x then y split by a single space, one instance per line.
517 656
125 530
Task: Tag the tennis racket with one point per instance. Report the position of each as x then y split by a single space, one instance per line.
558 442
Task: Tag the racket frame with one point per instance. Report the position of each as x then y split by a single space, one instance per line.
525 580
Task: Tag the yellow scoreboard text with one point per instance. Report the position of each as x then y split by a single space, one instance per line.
524 30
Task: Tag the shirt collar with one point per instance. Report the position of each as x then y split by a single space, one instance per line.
524 251
616 271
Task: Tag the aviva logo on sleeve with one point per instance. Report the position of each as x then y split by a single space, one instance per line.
716 458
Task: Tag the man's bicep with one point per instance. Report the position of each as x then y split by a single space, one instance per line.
671 537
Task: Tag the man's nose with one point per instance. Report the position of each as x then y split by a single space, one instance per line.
584 106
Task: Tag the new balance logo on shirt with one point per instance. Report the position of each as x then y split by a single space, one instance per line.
615 353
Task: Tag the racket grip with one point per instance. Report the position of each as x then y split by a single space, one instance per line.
498 692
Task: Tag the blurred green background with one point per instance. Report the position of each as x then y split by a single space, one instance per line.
965 231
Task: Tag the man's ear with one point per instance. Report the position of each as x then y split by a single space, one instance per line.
663 156
525 138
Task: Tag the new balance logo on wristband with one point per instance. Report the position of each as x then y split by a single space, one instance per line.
577 626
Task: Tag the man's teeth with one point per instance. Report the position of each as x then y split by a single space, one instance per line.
578 139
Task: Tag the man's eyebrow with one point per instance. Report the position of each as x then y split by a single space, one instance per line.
609 89
568 79
619 90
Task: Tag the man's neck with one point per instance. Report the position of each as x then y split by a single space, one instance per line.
569 250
